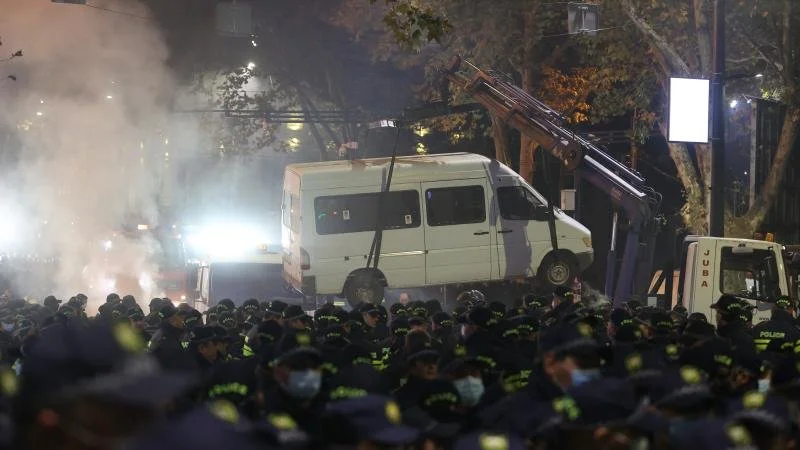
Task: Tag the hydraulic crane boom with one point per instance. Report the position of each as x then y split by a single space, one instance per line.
626 188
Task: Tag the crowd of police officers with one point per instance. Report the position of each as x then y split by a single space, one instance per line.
546 373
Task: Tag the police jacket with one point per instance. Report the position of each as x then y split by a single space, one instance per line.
777 334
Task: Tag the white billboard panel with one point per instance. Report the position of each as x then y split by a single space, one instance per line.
688 110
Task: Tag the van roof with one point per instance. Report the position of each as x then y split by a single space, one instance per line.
364 172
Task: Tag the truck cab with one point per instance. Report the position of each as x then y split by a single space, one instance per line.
748 269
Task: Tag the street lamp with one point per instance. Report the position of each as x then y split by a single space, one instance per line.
251 65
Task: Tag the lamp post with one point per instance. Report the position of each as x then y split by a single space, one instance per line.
716 213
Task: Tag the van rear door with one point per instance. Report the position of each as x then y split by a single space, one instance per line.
291 211
457 231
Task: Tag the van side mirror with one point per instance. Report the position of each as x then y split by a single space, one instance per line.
541 212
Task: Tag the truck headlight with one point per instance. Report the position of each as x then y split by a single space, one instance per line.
587 241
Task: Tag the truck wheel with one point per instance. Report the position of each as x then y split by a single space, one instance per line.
364 287
558 270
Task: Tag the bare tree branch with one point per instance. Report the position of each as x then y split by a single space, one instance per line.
677 65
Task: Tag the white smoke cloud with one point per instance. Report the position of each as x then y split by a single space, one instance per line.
91 109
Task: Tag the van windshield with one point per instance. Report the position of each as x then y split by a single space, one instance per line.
241 281
752 275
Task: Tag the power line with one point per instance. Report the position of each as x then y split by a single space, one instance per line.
584 32
122 13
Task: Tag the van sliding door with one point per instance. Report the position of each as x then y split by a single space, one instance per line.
457 231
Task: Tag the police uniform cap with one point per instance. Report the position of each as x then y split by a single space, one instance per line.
51 300
485 440
202 334
129 301
608 401
711 356
227 319
433 306
399 326
568 338
397 309
212 427
785 302
277 306
766 409
101 360
375 418
226 304
713 434
442 319
480 316
534 301
296 349
369 308
681 388
293 312
727 305
562 291
525 324
421 350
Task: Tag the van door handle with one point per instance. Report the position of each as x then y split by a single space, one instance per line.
480 233
504 231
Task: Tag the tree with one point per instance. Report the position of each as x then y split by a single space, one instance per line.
618 74
762 40
522 38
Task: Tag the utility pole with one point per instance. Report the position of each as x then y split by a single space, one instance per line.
716 213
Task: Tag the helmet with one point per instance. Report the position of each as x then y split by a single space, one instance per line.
471 298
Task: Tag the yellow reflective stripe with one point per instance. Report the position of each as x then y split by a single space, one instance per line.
247 352
230 388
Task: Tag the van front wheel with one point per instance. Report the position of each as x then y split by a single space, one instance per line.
364 287
558 270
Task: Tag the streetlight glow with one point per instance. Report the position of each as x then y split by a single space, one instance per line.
734 103
759 75
294 126
251 65
255 44
39 113
109 97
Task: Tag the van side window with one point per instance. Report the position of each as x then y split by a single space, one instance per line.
357 213
516 203
455 205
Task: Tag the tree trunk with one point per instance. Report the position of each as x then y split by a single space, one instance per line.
769 191
694 210
500 138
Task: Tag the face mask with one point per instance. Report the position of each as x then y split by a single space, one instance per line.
303 384
580 376
8 327
763 385
470 389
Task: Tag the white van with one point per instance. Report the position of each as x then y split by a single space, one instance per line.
448 219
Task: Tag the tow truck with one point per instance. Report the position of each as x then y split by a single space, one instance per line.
709 266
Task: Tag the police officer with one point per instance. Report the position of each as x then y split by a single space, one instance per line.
778 335
77 390
730 325
166 345
297 392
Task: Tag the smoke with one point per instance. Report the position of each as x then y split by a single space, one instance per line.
90 110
